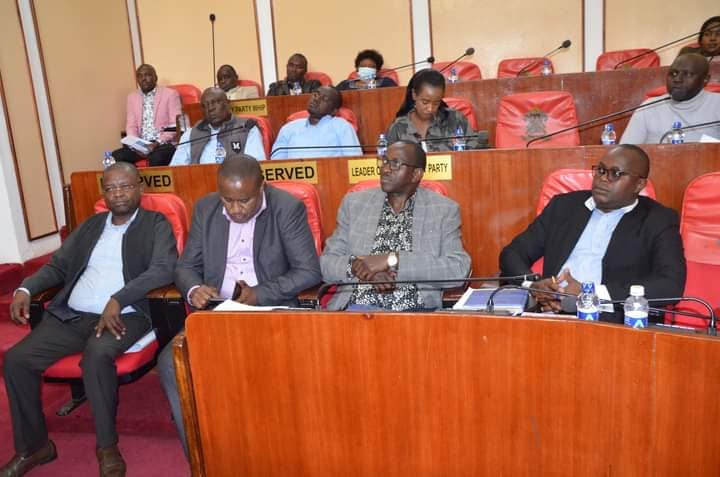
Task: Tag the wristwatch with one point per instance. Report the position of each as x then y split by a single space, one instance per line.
392 261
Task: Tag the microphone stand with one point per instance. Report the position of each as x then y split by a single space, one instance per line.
632 58
536 61
468 52
212 30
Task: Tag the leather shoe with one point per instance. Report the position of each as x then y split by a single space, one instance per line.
21 464
111 462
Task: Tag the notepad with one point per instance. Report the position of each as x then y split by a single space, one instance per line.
507 300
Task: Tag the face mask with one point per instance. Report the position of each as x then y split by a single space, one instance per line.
365 73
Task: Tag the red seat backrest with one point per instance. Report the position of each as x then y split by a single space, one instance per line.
247 82
510 67
609 59
189 93
323 78
311 198
171 206
700 231
466 70
434 186
345 113
392 74
266 130
661 90
464 106
523 116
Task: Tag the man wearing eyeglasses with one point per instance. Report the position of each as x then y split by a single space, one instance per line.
104 268
610 236
397 232
688 104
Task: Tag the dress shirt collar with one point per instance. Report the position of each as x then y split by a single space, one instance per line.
590 204
150 93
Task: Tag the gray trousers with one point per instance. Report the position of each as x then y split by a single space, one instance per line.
166 371
51 340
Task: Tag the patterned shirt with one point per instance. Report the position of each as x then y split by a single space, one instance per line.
444 124
147 129
393 234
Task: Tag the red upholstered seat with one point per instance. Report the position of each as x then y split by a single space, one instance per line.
700 231
661 90
142 164
466 70
384 73
464 106
189 93
345 113
247 82
511 67
609 59
311 198
323 78
524 116
266 130
434 186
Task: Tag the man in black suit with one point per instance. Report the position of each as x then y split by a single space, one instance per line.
610 236
248 233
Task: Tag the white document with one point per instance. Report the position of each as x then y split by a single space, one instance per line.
230 305
706 138
137 144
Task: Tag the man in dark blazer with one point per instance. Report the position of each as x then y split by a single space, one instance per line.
610 235
250 234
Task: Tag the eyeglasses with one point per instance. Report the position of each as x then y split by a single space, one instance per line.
613 174
394 164
121 187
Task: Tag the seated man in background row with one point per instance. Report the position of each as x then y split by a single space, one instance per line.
320 128
295 78
149 110
610 236
247 234
227 80
219 135
105 268
396 232
689 104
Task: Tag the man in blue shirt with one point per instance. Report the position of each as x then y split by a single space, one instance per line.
302 137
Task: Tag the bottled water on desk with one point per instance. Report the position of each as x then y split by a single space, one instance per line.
546 69
678 135
108 160
459 140
636 308
608 135
220 152
588 303
296 89
372 83
453 77
382 145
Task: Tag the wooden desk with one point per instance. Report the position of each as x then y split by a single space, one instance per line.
351 394
497 189
595 94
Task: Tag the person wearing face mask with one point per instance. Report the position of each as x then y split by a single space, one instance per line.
424 116
689 104
367 63
708 39
227 80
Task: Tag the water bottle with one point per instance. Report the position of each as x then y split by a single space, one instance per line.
382 145
546 69
608 135
588 303
636 308
108 160
459 140
220 152
372 84
678 135
453 77
296 89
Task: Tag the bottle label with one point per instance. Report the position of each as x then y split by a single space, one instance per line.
588 315
636 319
458 147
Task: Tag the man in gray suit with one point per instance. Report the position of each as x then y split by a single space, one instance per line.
398 232
250 234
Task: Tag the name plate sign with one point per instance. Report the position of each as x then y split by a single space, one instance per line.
301 171
438 168
258 107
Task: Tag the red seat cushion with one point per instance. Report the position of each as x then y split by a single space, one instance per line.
311 198
266 130
247 82
466 70
609 59
464 106
189 93
511 67
323 78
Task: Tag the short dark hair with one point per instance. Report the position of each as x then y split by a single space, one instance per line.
125 167
373 55
227 66
300 56
641 155
239 167
417 153
422 78
146 65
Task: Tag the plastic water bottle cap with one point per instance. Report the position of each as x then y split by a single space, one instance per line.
588 287
677 125
637 290
609 127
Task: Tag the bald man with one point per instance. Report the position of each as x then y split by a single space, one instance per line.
248 235
219 135
689 104
610 236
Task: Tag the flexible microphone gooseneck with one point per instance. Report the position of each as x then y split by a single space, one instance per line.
212 34
565 44
468 52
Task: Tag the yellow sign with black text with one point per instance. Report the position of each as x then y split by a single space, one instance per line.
301 171
258 107
438 168
155 180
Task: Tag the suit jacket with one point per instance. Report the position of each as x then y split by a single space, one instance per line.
645 248
167 107
283 249
437 249
149 254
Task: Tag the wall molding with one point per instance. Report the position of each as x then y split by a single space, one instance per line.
135 36
266 42
593 32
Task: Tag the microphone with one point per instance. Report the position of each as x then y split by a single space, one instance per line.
200 138
633 58
598 119
347 146
429 59
685 128
563 45
212 29
468 52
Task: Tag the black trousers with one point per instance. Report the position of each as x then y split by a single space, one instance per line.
51 340
160 156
